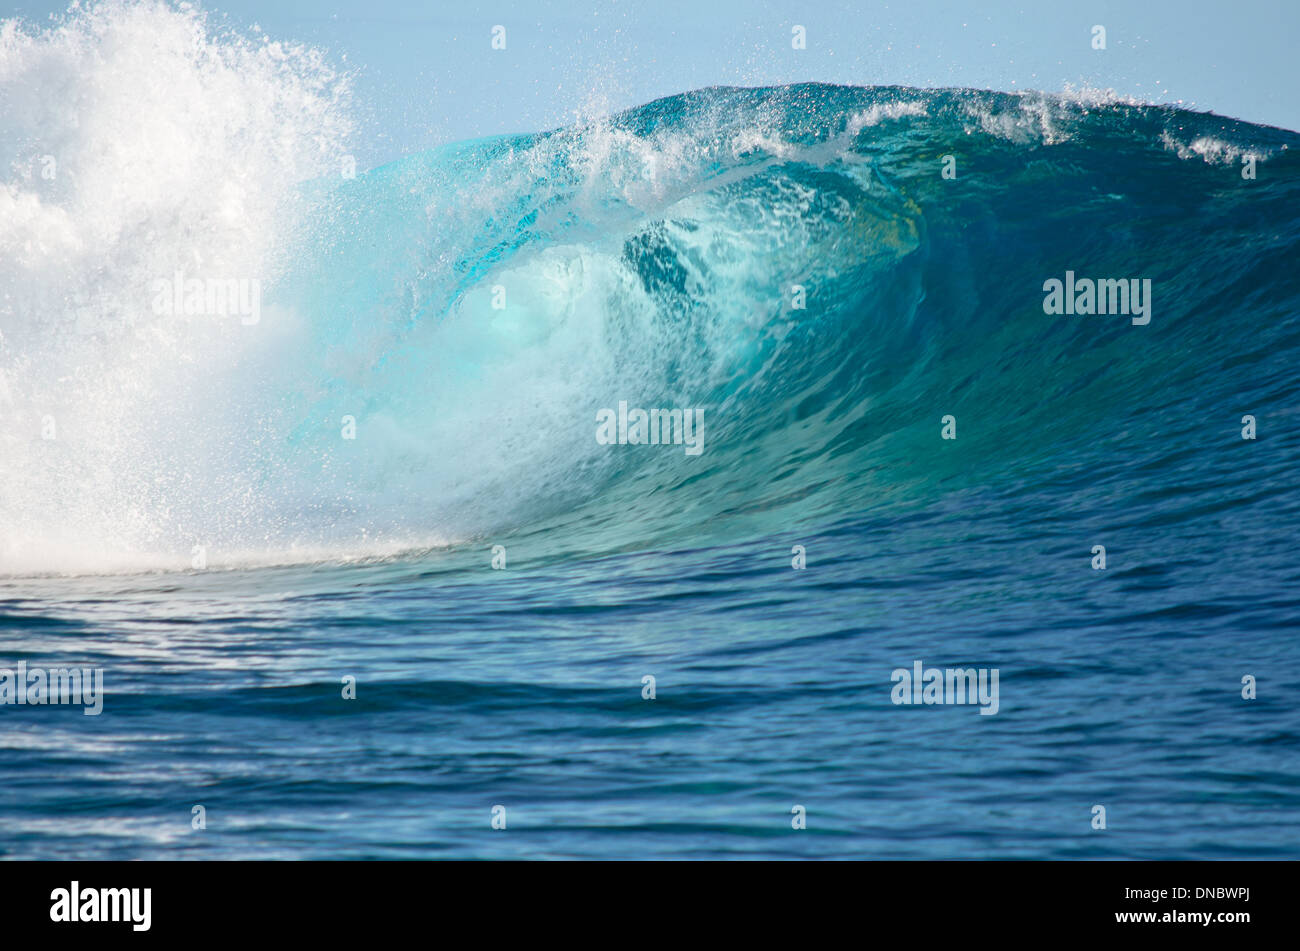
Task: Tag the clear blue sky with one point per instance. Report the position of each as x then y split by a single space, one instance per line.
428 74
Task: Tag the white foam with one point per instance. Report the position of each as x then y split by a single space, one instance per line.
1211 150
879 112
136 140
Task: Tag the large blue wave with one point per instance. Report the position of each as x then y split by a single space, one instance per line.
658 258
793 261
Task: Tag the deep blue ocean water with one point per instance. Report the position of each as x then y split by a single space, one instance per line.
651 258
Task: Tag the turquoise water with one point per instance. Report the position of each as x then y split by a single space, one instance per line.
652 258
